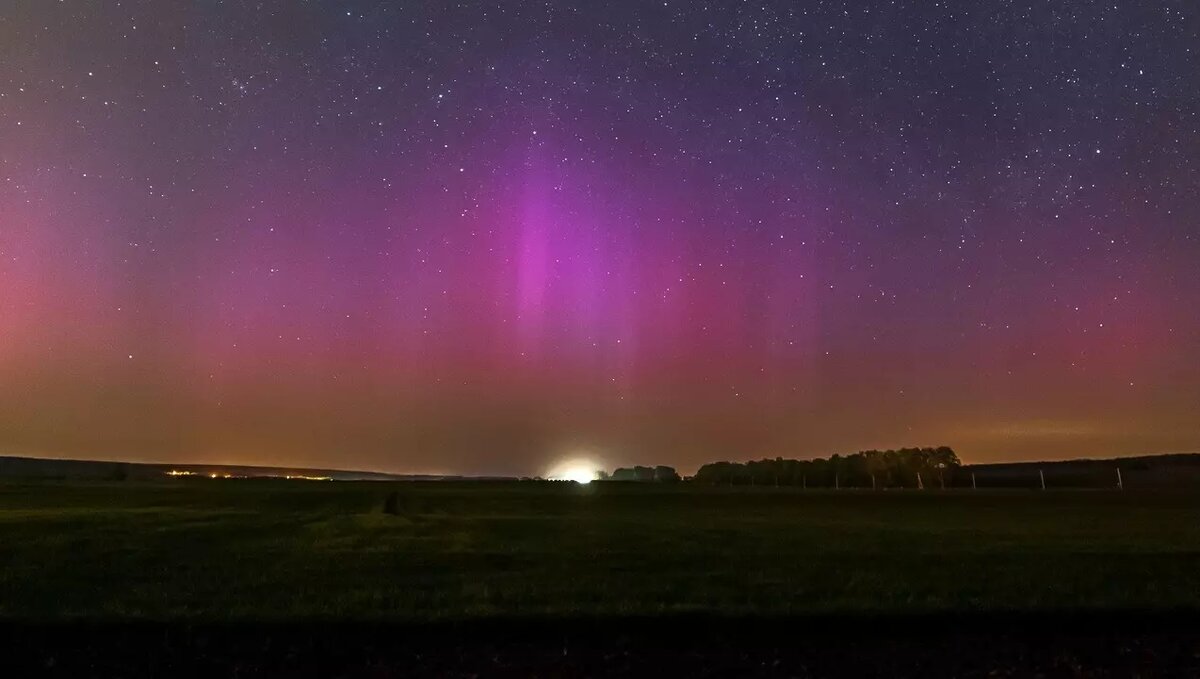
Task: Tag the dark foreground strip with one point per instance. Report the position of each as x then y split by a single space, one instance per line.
983 645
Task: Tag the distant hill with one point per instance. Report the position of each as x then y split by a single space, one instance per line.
1143 471
42 468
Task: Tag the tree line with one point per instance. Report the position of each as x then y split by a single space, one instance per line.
903 468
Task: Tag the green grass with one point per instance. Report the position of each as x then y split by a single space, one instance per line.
238 549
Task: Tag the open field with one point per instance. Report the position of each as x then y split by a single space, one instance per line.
255 550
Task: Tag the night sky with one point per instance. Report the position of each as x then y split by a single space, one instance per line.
479 237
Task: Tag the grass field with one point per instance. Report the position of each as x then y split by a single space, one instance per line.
200 549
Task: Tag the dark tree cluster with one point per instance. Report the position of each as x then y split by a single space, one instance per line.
660 473
904 468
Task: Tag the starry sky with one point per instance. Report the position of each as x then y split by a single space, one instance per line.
477 237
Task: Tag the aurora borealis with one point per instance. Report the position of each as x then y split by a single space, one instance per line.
478 237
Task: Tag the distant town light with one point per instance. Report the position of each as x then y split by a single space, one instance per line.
577 470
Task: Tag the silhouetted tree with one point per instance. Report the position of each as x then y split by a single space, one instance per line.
664 473
645 474
866 469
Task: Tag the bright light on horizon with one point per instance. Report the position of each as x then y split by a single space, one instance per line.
577 470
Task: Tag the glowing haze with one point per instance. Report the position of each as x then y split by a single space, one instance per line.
475 237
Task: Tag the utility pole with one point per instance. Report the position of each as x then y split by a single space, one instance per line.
1120 483
973 486
1043 478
